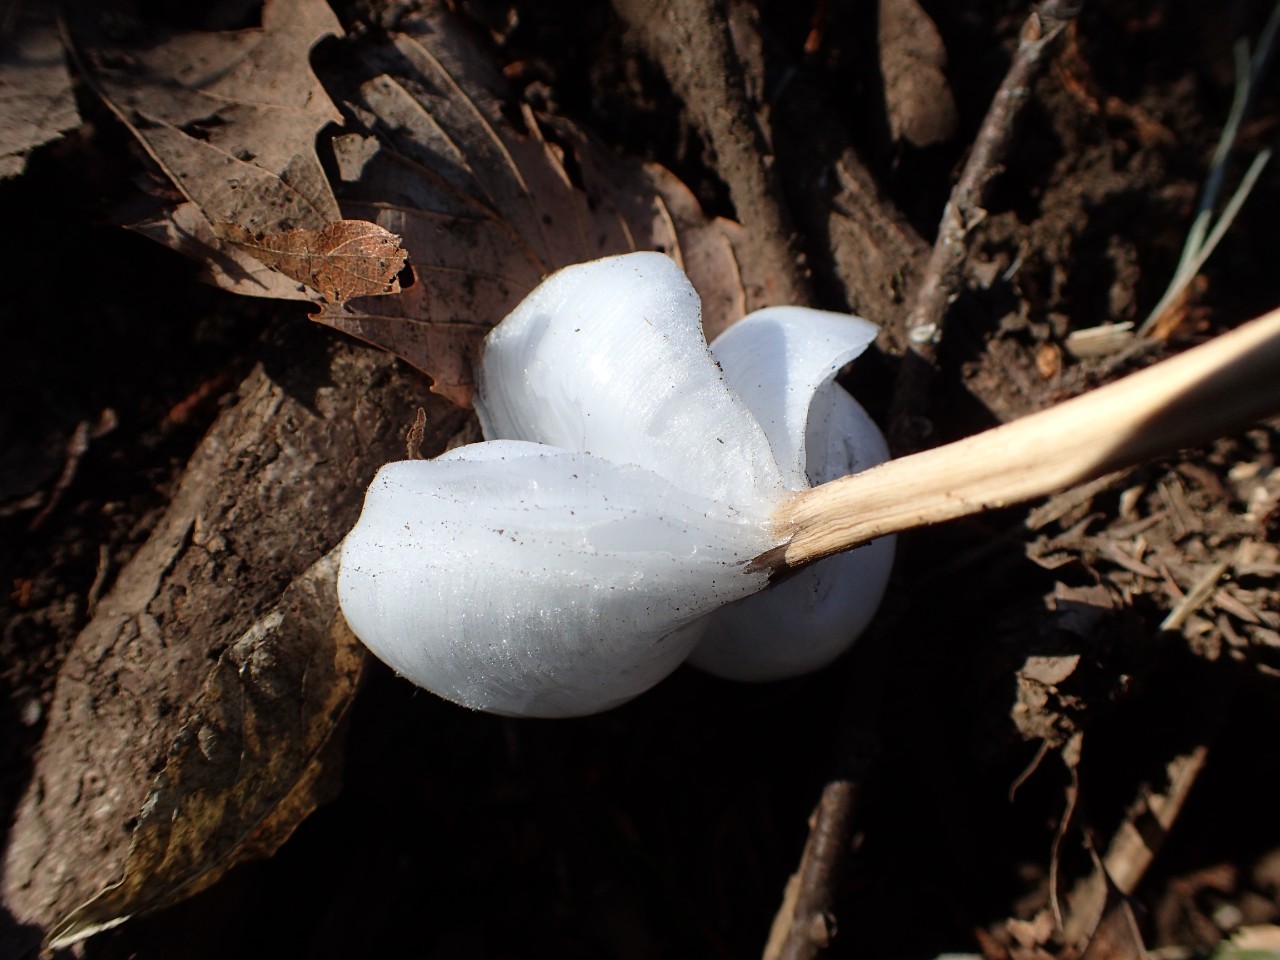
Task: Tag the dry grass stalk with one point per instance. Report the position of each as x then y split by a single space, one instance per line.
1208 391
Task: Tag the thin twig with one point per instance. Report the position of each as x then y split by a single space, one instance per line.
805 922
77 447
944 273
1196 598
1208 391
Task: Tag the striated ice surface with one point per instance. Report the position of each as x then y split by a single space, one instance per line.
608 358
519 579
776 360
606 531
782 361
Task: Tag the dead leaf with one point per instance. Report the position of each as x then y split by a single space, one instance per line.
249 765
230 116
1117 936
340 261
446 351
36 102
285 464
486 210
184 228
484 206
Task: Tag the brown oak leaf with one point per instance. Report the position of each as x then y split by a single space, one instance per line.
230 117
486 202
36 100
227 792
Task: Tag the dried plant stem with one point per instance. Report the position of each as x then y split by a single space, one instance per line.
1212 389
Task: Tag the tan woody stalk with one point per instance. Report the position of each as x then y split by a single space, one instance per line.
1213 389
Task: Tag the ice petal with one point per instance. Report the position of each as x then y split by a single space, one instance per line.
608 357
776 359
805 621
524 580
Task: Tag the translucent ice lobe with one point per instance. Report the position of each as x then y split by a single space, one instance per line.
805 621
776 360
523 580
608 357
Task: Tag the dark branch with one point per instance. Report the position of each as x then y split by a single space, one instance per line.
944 272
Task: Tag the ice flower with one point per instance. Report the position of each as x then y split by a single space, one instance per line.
610 526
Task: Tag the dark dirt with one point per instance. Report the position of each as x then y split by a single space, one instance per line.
669 827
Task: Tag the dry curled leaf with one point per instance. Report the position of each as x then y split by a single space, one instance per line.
485 205
185 229
249 765
486 210
340 261
230 116
276 467
36 101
